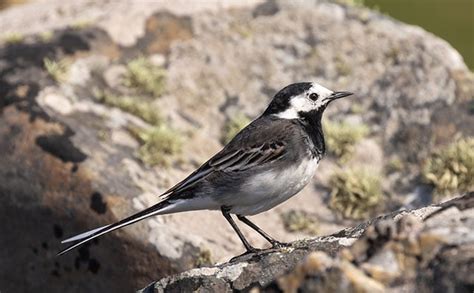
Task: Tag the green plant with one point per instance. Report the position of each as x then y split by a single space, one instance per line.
243 29
81 24
13 38
357 108
58 70
233 126
137 106
300 221
145 77
46 36
451 168
355 193
341 138
158 144
204 258
342 67
356 3
394 165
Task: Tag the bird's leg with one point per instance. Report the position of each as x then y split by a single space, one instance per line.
275 243
250 248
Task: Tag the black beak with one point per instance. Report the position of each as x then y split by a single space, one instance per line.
338 95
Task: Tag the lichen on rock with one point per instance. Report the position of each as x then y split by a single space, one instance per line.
355 193
451 168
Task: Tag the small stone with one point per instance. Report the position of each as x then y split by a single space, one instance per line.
55 101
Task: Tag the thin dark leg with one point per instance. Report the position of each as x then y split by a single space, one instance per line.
229 219
273 241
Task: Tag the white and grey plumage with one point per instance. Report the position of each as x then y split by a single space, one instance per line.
266 163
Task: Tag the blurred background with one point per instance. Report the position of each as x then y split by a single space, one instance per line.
450 20
106 104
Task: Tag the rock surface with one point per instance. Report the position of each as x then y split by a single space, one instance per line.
70 162
424 250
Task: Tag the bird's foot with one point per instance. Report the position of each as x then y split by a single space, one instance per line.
277 244
249 254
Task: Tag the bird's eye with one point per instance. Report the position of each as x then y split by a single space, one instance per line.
314 96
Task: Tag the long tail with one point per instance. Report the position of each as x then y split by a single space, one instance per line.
159 208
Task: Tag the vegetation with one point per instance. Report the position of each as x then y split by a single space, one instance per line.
355 193
341 138
58 70
451 169
145 77
300 221
159 144
13 38
394 165
46 36
356 3
357 108
81 24
233 126
204 257
137 106
342 67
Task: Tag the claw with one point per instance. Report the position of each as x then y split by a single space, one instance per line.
250 253
278 244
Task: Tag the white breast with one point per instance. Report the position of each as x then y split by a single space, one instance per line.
265 191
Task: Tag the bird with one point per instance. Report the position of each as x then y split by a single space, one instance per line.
265 164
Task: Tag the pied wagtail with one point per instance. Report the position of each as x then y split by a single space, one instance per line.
265 164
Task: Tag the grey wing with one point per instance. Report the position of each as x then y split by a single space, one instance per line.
239 155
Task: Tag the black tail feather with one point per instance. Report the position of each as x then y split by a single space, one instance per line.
88 236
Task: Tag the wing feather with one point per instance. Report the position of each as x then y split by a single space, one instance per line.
236 161
249 149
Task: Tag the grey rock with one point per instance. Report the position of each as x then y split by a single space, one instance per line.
417 251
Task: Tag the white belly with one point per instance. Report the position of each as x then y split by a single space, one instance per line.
265 191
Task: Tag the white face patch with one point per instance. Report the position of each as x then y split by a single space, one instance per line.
302 102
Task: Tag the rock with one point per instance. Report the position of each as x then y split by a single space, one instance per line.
72 161
413 251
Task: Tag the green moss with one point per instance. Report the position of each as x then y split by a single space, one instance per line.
451 169
357 108
300 221
394 165
356 3
145 77
58 70
103 135
81 24
341 138
46 36
204 257
233 126
393 53
158 145
137 106
342 67
355 193
243 30
13 38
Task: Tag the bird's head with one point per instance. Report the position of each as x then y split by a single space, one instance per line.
301 99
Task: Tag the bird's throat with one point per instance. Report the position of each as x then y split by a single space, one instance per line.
311 121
